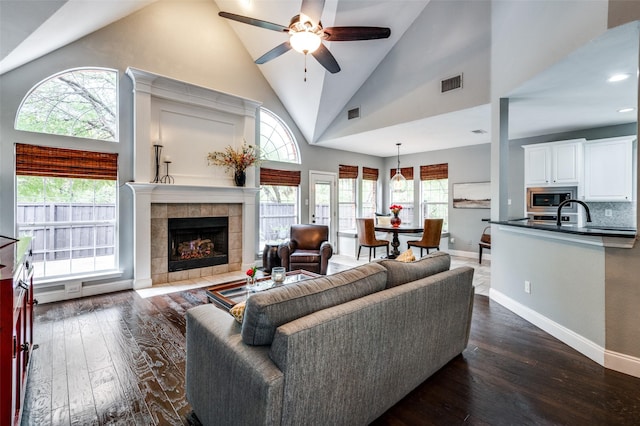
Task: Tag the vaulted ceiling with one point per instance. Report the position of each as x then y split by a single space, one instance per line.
570 95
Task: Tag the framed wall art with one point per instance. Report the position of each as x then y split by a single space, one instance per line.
472 195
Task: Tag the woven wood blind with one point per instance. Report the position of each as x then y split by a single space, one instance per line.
279 177
369 173
347 172
407 172
32 160
434 171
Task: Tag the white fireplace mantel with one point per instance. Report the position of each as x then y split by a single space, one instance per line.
188 121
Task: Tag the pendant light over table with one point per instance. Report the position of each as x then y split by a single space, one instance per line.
398 182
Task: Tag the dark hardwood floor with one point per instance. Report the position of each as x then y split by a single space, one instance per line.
120 359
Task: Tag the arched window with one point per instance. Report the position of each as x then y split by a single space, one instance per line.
82 102
276 140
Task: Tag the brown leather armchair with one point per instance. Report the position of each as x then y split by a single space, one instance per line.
308 248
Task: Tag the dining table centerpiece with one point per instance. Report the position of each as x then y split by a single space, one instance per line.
236 161
395 211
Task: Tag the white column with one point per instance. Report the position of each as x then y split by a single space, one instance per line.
142 235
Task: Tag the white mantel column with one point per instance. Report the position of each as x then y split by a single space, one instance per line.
142 235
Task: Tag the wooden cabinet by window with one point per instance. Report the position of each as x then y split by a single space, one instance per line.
16 327
608 169
554 163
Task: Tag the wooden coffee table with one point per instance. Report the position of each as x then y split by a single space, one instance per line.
226 295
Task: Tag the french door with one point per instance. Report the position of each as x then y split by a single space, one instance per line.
323 202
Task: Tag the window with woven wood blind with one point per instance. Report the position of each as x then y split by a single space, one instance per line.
434 183
404 198
369 173
407 172
279 204
347 205
369 191
434 171
279 177
347 172
33 160
67 202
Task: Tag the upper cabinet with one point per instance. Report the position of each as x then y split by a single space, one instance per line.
554 163
608 169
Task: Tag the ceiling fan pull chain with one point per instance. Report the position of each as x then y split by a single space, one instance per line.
305 67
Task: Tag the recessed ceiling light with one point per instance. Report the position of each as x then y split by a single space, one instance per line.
618 77
626 109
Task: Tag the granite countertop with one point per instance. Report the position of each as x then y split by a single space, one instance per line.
589 230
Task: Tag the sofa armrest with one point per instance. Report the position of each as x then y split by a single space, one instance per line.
228 382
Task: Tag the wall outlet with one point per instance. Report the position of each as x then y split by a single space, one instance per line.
527 287
73 287
508 201
452 240
608 212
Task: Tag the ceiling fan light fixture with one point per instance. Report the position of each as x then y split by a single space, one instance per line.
305 41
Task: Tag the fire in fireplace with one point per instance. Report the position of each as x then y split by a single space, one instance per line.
198 242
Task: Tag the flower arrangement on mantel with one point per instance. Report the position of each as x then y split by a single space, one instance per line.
236 160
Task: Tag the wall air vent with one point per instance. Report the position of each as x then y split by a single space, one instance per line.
353 113
451 83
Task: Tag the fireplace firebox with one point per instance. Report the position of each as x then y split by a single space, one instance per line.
198 242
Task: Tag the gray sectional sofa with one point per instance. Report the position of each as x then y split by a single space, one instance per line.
339 349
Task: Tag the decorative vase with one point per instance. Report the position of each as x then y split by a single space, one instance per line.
240 177
395 221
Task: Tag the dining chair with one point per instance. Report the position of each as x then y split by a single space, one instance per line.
485 242
430 236
367 237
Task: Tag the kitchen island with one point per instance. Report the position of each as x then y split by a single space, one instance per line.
608 236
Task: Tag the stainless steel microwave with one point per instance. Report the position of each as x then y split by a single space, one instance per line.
547 200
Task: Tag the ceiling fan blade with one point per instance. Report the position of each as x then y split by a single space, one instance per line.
326 59
313 9
356 33
254 22
274 53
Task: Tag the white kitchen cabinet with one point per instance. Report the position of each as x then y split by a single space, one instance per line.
553 163
608 169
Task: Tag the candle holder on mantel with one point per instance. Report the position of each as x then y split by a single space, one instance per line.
158 149
167 178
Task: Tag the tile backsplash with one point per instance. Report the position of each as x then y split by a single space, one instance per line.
623 214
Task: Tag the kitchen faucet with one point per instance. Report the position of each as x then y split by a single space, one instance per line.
561 205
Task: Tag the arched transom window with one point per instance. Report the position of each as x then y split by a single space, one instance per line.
276 140
82 102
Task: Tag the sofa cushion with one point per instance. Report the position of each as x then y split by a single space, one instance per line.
305 256
267 310
399 273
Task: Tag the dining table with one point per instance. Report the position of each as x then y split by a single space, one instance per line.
396 230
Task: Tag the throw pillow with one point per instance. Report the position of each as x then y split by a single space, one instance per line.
406 256
399 273
238 311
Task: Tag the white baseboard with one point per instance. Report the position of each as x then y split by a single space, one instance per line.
560 332
469 254
623 363
75 290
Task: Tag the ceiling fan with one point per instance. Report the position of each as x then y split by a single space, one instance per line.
306 34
